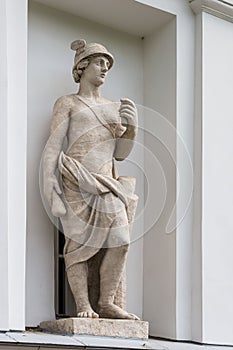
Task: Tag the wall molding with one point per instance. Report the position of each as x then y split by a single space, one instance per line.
219 8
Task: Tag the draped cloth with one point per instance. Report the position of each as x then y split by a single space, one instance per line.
99 210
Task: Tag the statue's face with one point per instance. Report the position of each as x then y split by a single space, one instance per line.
97 70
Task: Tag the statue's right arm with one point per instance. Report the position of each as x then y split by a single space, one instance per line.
58 131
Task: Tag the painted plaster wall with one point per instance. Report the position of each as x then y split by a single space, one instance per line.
173 84
4 299
217 219
49 76
13 102
159 247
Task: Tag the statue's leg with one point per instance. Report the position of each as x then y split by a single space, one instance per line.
77 277
111 271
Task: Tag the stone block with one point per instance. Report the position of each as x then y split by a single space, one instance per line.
99 327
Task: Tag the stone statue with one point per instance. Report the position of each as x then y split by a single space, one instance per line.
96 206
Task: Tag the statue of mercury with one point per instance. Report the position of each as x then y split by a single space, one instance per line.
81 185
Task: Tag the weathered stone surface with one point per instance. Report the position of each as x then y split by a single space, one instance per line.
99 327
96 206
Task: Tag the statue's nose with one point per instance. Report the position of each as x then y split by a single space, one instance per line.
105 67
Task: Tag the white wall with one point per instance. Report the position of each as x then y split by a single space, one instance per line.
169 89
159 248
13 163
49 70
4 299
217 222
197 217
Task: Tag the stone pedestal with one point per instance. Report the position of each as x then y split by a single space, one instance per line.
99 327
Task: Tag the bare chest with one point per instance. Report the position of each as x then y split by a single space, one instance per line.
94 120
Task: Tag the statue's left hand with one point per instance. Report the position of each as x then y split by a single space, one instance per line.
128 112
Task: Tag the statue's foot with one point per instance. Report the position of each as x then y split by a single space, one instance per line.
87 314
114 311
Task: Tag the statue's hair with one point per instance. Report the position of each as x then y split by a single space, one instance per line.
79 68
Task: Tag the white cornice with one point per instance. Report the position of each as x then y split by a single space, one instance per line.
219 8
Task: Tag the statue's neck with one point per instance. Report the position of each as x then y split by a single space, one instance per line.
90 92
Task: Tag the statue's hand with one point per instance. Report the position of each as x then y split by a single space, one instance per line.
129 119
128 112
51 184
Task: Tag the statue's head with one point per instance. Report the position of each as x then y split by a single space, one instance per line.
84 53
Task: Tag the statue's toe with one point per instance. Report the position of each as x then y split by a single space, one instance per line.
92 314
134 317
87 314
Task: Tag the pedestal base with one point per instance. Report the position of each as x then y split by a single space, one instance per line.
99 327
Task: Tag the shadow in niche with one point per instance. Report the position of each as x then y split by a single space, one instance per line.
64 301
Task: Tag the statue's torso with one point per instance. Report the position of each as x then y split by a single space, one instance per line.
89 141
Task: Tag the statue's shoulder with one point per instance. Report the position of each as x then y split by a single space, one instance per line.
65 102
